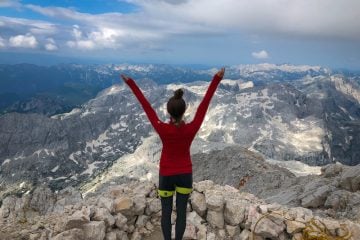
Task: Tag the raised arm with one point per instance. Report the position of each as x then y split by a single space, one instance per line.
201 111
150 112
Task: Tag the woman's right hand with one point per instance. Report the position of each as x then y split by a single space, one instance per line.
221 73
124 77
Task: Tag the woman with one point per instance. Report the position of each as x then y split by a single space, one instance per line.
175 174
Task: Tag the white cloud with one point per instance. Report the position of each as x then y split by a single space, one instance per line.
51 45
23 41
2 42
158 21
260 55
9 3
308 18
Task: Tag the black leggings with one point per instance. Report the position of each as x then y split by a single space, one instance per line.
170 184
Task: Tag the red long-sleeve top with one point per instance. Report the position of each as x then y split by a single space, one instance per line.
175 155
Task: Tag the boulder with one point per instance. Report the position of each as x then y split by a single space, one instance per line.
316 198
103 214
198 203
203 186
234 212
123 205
77 219
42 199
293 227
215 218
72 234
214 200
105 203
153 206
139 205
337 200
350 178
267 228
110 236
120 221
331 170
8 206
141 221
232 231
245 235
94 230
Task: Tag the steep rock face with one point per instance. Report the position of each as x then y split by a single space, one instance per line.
69 147
238 167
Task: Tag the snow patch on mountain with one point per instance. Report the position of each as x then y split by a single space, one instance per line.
296 167
307 137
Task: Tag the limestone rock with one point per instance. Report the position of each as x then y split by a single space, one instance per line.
94 230
331 170
215 218
350 178
141 221
245 235
203 186
72 234
267 228
198 202
110 236
79 218
234 212
139 205
102 214
42 199
214 200
120 221
106 203
153 206
232 230
293 227
316 198
8 206
123 205
337 200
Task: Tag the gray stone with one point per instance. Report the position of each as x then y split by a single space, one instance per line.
102 214
316 198
214 200
105 203
234 212
153 206
215 218
120 221
72 234
350 178
94 230
42 199
198 203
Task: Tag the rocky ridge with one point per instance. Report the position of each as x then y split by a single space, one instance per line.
335 192
133 210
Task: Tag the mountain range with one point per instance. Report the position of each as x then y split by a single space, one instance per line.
283 112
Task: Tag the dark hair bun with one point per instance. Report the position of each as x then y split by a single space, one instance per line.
178 93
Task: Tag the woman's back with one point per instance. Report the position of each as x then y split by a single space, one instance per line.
175 156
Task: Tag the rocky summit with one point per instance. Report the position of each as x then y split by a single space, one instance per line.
133 210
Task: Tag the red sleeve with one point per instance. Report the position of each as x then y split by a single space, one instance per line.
150 112
201 111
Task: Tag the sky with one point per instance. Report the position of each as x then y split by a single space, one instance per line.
213 32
